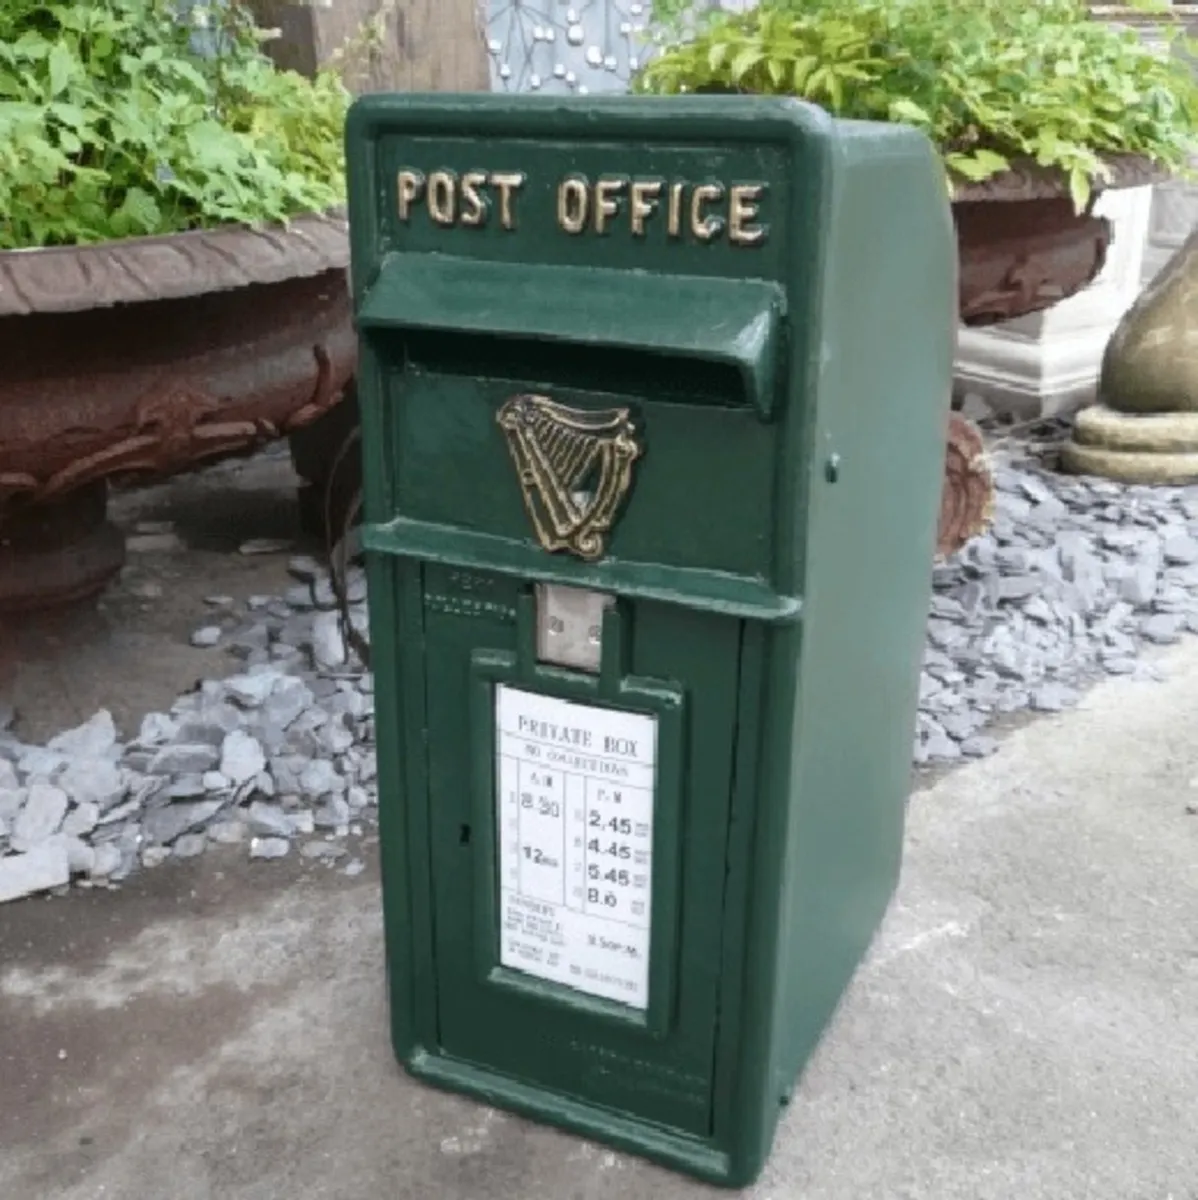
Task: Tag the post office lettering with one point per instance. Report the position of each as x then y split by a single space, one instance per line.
573 205
411 189
743 208
704 226
442 197
607 196
693 212
474 204
469 199
644 204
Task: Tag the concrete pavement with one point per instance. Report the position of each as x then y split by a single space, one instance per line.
1026 1026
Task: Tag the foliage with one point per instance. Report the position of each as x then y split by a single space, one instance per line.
115 123
989 81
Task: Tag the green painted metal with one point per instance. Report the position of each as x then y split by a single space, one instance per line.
770 569
732 323
711 591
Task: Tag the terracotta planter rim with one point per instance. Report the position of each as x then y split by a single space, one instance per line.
61 279
1030 181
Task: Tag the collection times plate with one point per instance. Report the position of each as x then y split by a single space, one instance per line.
574 809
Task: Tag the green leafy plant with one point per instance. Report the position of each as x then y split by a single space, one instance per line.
991 82
114 123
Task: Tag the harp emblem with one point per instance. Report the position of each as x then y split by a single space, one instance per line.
574 466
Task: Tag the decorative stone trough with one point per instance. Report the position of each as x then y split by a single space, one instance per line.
131 361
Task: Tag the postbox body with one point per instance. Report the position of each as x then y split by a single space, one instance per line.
653 401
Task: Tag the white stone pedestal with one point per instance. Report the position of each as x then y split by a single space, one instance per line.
1049 362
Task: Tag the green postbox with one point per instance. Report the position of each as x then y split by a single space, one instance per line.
653 402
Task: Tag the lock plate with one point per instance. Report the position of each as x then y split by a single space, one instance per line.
570 626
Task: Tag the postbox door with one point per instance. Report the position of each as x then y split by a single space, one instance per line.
653 1056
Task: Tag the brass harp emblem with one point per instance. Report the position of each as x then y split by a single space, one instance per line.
574 466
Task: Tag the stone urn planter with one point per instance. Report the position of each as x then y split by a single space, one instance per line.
1021 248
132 361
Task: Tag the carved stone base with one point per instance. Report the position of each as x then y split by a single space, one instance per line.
59 553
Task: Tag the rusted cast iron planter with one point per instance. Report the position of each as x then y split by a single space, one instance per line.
1021 249
326 457
132 361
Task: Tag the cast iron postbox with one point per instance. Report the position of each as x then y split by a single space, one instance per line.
653 398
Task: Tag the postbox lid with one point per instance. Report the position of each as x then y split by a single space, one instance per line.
734 322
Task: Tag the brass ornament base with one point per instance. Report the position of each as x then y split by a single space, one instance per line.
1131 448
1124 466
1145 427
1151 433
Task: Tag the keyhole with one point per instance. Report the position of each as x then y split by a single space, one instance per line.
464 836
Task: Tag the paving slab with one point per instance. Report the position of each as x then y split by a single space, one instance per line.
1026 1025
